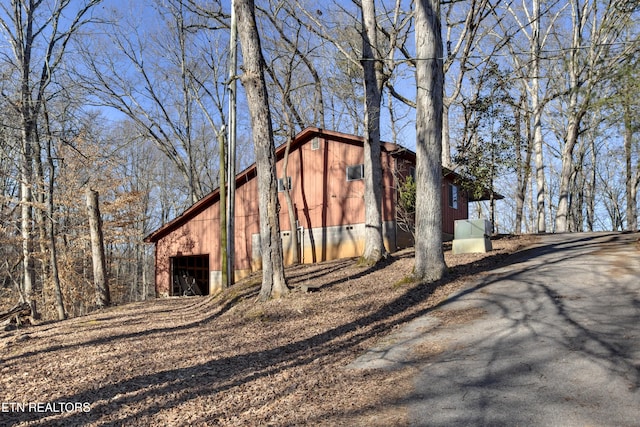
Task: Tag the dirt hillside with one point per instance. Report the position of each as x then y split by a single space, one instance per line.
229 360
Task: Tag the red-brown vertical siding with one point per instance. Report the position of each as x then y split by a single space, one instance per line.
449 214
322 198
199 236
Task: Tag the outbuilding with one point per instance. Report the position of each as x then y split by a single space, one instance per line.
325 175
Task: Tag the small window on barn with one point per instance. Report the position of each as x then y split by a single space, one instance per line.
412 173
315 144
355 172
282 186
453 196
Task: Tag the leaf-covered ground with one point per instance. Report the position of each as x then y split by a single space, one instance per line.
230 360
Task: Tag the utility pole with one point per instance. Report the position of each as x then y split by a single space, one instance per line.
231 155
224 240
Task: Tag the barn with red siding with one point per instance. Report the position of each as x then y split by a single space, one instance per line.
324 174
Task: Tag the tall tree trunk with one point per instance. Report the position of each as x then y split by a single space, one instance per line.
541 220
576 217
26 222
566 171
429 257
273 280
40 224
446 140
103 297
53 248
55 276
523 165
374 249
562 213
579 185
591 188
631 179
145 272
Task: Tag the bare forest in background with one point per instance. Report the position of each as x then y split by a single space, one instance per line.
540 102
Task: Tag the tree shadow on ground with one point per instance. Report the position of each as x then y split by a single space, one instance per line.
149 394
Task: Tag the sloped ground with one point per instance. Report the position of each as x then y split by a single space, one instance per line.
229 360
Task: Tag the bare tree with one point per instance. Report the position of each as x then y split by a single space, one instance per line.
601 25
375 60
157 78
535 42
51 226
632 174
289 69
523 152
138 164
429 257
620 109
622 106
253 80
374 79
530 26
292 69
39 34
463 33
99 262
124 169
611 187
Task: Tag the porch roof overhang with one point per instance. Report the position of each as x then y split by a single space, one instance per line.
485 194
